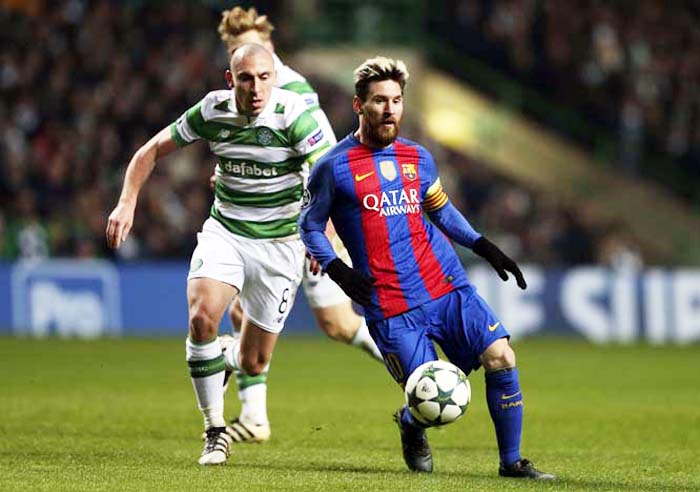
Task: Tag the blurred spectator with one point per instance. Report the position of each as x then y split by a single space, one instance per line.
629 66
616 249
85 83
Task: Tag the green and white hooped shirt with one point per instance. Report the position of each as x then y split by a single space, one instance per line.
262 162
291 80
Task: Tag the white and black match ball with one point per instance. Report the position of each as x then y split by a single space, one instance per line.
437 393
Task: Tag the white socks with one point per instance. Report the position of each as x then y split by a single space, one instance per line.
252 390
363 340
206 364
253 399
232 356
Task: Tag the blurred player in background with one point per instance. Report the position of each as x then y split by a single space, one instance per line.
332 308
375 187
249 247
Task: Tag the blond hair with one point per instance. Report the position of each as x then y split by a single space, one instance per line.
236 21
377 69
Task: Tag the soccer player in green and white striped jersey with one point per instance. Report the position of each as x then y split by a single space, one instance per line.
262 162
264 139
332 308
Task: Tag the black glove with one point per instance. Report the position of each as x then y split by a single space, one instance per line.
499 261
354 283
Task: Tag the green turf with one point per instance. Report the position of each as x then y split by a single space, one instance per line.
121 415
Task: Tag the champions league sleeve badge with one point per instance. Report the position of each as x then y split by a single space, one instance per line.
305 198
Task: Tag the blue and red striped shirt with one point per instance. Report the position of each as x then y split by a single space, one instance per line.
376 199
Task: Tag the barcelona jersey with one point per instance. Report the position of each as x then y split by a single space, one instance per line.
376 199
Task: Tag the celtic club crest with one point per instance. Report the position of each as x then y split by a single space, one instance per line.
264 136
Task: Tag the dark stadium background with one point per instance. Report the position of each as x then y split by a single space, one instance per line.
566 130
583 151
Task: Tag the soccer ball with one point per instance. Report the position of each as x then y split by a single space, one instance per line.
437 393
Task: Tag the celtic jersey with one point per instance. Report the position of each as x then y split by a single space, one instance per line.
288 78
262 162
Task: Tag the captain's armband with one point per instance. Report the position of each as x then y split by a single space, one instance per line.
435 198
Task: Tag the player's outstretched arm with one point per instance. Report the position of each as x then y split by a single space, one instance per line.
450 221
122 217
455 226
498 260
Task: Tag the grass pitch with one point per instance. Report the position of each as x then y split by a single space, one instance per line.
121 415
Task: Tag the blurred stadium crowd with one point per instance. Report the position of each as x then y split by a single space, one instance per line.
84 85
82 89
629 66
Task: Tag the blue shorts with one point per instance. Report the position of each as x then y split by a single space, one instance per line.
460 322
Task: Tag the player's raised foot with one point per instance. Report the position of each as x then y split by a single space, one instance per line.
216 447
247 432
414 442
226 342
524 468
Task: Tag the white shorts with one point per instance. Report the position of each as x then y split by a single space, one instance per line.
266 273
319 289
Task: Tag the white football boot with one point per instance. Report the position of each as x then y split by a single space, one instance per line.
216 447
246 432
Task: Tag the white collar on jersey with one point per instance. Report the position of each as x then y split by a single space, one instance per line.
267 110
278 62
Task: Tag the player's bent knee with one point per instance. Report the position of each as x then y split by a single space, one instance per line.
499 355
334 330
203 327
254 364
336 324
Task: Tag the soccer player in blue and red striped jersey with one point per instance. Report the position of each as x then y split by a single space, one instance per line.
376 187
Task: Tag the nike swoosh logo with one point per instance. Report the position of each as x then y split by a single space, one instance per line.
494 326
360 177
507 397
